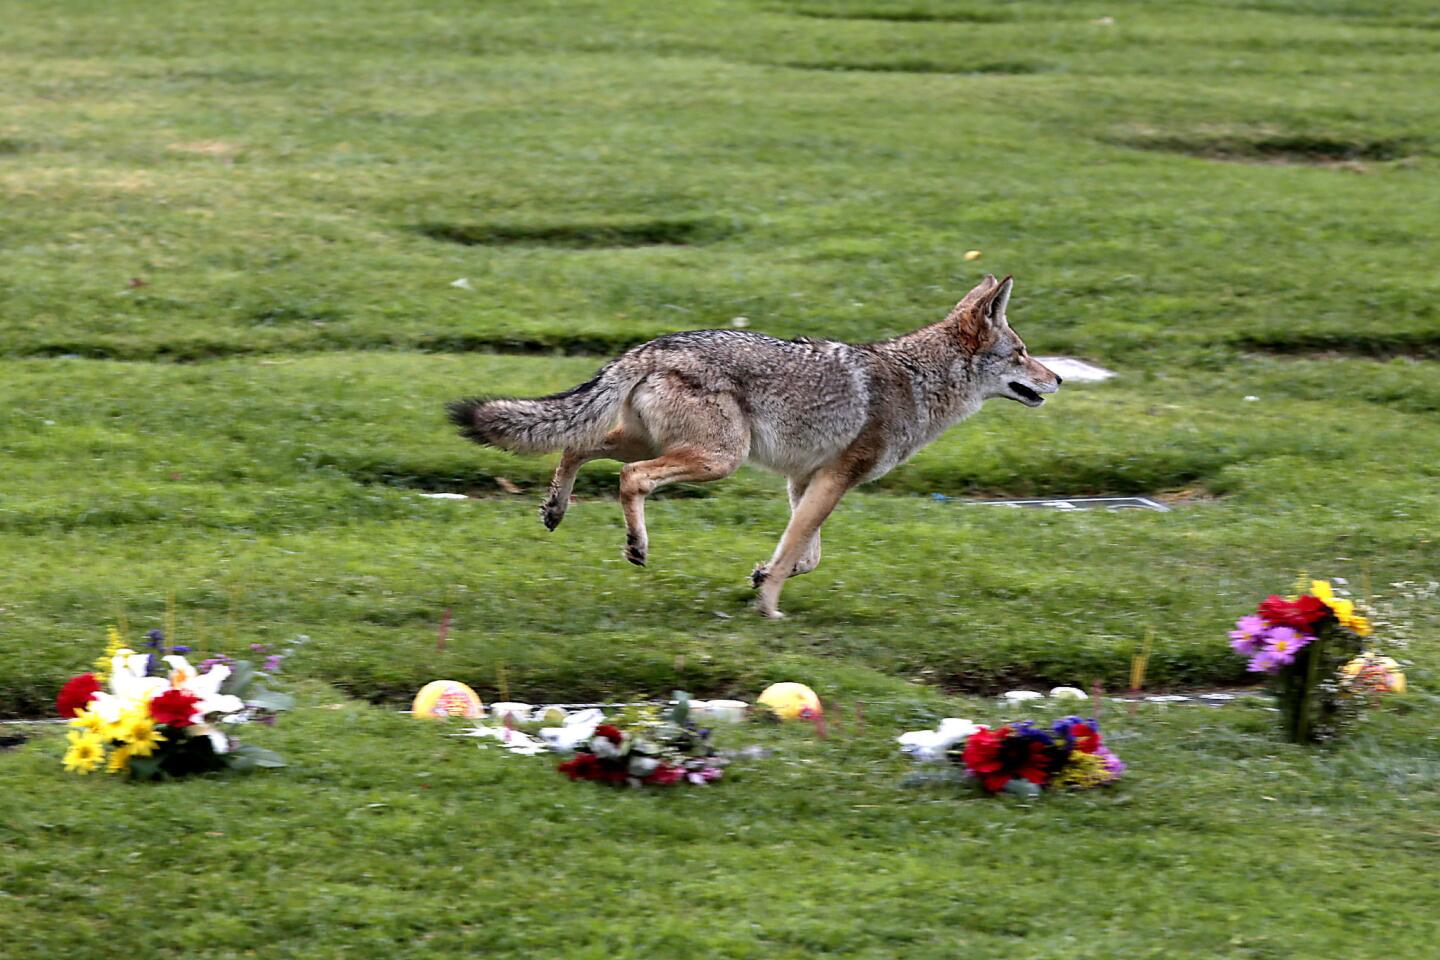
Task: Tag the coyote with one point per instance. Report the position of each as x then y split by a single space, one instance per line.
826 415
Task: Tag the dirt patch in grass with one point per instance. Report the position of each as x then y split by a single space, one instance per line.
911 15
957 68
1298 149
219 149
579 235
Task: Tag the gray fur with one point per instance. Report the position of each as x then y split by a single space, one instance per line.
826 414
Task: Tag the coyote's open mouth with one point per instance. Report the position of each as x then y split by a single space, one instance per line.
1025 395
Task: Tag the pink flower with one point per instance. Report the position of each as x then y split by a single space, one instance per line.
1246 638
1283 643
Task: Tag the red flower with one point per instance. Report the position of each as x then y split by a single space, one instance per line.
76 694
587 766
1085 737
613 734
582 767
998 756
174 707
665 774
1300 614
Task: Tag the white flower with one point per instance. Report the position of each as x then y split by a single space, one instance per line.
578 728
930 746
128 680
1020 696
205 687
218 741
604 749
1068 693
519 711
641 766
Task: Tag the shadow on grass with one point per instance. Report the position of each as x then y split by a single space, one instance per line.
912 15
957 68
1418 344
582 235
1301 149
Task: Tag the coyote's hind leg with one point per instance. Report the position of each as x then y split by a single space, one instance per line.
617 445
681 465
703 437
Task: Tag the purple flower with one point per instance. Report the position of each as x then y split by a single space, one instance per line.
1113 764
272 662
210 663
1263 662
1282 643
1245 639
258 647
180 649
154 638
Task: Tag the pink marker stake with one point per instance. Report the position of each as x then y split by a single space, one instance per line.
444 631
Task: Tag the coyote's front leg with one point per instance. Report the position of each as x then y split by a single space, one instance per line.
810 559
819 498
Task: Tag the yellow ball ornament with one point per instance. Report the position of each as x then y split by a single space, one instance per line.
1381 674
790 701
446 698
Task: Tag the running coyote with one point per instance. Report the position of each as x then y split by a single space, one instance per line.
827 415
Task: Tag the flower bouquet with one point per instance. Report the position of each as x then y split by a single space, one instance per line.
1021 758
643 749
154 716
1302 645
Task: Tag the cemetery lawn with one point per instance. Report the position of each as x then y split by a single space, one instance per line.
230 240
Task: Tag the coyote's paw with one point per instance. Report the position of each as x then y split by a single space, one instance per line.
769 613
636 549
551 513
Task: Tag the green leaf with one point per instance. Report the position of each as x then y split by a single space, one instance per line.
681 714
270 700
246 756
241 676
145 768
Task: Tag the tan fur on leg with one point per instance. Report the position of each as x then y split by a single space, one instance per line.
618 445
819 499
639 480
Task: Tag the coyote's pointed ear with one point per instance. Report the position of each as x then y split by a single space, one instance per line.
993 312
981 315
977 294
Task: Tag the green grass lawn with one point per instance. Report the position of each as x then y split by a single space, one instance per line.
229 238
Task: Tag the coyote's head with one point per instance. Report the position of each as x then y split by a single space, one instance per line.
998 362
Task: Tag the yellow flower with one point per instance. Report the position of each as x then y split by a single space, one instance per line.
1359 624
88 721
113 645
140 736
1081 772
1343 609
85 754
119 760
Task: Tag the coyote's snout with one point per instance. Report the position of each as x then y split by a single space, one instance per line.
825 414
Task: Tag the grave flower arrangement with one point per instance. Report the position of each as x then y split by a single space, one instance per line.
1301 645
1021 758
154 716
642 748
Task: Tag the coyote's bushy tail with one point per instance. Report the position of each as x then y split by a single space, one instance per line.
578 417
